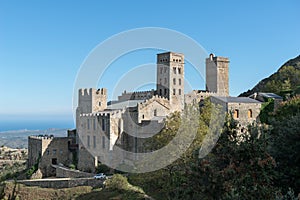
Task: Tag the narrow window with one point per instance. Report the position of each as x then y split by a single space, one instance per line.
48 152
165 70
103 124
236 114
160 92
249 113
165 80
179 81
88 124
179 70
174 91
160 81
61 152
179 91
103 142
174 70
94 124
161 70
94 141
99 103
143 116
88 141
155 112
54 151
174 81
166 92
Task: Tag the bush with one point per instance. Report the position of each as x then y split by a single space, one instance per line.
117 182
102 169
72 166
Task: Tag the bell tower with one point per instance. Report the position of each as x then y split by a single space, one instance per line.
217 75
170 78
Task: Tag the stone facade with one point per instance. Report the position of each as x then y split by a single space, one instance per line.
243 109
217 78
49 150
134 116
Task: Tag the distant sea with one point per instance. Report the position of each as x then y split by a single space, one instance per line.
9 125
14 133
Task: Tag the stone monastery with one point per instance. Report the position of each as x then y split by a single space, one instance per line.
102 125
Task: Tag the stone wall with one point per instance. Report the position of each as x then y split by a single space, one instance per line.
63 183
62 172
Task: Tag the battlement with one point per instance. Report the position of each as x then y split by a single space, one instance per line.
102 113
41 137
90 91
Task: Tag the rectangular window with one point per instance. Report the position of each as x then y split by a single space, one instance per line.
155 112
165 80
94 141
94 124
174 81
54 151
166 91
161 70
88 124
179 91
179 81
174 91
179 71
88 141
165 70
60 152
174 70
103 142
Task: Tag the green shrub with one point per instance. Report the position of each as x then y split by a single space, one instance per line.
72 166
117 182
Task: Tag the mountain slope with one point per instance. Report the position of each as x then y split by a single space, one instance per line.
285 80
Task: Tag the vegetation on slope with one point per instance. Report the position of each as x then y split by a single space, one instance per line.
286 81
264 166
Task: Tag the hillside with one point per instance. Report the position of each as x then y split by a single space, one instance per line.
285 80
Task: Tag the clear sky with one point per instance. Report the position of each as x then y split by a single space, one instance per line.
43 43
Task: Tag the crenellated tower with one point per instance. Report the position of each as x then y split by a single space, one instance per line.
91 100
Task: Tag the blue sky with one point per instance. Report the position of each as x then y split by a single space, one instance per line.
43 43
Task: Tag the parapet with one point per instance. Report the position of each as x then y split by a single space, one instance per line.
91 91
214 58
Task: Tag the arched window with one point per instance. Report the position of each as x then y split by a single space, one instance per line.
174 91
179 70
160 92
174 81
236 114
249 113
179 81
179 91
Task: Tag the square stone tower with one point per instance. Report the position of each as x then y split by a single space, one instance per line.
170 78
217 75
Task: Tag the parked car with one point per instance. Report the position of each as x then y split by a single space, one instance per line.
100 176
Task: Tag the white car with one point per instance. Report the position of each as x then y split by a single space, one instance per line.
100 176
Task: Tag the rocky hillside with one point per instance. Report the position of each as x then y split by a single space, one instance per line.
285 80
